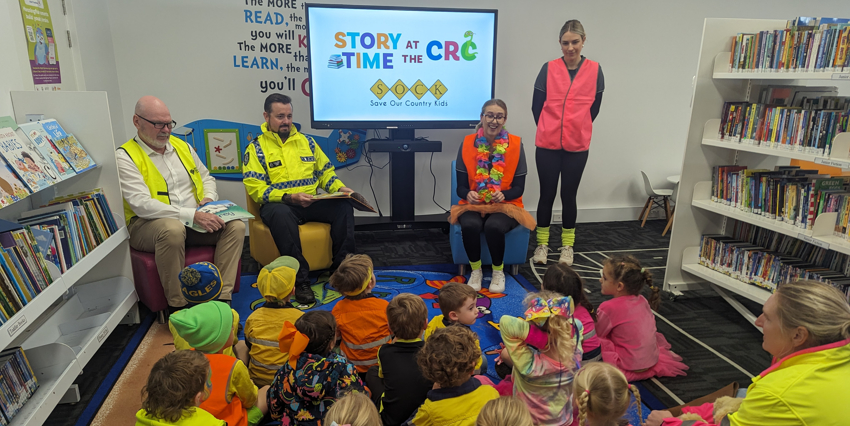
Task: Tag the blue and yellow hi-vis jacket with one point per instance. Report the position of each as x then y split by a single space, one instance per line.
272 168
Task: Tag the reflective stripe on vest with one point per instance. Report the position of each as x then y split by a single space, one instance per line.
262 342
511 161
218 404
364 362
266 366
590 334
565 121
152 176
369 345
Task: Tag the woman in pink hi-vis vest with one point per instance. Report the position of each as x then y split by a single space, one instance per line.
567 96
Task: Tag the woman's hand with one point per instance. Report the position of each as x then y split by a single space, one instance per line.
473 198
656 418
498 197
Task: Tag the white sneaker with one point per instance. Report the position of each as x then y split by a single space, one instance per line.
475 279
540 254
566 256
497 282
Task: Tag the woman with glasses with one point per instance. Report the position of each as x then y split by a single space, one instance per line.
567 96
491 173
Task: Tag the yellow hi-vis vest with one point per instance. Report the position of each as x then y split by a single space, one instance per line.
153 178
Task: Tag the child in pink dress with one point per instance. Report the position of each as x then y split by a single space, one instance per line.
626 326
563 280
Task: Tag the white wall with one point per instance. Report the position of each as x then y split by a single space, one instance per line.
181 51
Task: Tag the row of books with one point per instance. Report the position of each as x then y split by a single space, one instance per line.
808 45
787 194
809 129
18 383
768 259
36 155
61 233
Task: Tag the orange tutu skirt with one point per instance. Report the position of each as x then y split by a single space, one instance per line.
515 212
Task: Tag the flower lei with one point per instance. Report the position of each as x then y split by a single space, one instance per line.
488 175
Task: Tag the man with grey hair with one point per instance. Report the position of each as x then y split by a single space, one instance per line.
163 183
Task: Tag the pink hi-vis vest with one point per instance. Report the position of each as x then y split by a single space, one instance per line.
565 121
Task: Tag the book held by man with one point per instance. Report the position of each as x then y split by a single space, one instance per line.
357 200
226 210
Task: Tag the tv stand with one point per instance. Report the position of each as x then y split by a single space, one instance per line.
402 147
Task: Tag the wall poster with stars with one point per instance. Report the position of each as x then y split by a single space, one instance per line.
222 147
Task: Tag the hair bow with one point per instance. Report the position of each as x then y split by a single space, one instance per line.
541 309
292 341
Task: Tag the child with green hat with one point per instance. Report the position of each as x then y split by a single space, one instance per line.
208 328
276 283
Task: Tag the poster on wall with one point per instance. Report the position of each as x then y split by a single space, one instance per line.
41 44
223 151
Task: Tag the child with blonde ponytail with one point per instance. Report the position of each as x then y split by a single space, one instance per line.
544 350
603 395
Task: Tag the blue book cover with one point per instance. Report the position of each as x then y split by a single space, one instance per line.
46 245
36 133
74 152
24 159
23 271
13 279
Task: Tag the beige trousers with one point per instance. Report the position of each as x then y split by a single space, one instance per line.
168 238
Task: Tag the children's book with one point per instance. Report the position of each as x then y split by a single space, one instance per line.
68 145
357 201
36 133
12 189
24 160
226 210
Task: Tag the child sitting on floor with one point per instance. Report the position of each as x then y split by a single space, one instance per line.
542 377
398 387
563 280
177 384
361 318
626 326
313 378
448 359
276 284
354 409
505 411
602 395
459 305
208 328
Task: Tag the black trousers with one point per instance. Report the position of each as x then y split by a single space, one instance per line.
283 220
550 165
495 226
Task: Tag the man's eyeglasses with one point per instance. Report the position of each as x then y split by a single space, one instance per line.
159 126
492 117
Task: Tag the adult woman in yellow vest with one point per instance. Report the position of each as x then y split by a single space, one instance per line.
491 173
567 96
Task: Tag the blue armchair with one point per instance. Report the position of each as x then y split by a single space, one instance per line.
516 242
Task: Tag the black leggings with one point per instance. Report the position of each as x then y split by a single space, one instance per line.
495 226
570 166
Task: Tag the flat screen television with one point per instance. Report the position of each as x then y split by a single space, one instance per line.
383 67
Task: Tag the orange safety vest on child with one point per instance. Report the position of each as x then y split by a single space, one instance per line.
218 404
363 326
565 121
511 160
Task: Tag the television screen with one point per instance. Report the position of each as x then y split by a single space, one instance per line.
394 67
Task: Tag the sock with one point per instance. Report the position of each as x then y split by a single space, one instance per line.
542 235
568 237
499 267
475 265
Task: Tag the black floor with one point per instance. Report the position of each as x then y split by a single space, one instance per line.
704 315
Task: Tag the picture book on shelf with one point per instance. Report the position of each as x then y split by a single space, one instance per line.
20 156
12 189
36 133
68 145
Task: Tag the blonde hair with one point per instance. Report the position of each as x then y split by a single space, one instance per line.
602 390
351 274
572 26
355 409
819 308
559 329
504 411
406 315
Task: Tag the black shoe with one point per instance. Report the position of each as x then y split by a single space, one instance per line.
304 294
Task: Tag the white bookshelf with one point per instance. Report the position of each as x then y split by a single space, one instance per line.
63 326
697 215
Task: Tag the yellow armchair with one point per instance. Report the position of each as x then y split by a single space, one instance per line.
316 244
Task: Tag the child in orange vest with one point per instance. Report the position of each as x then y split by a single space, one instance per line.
262 328
361 317
208 328
177 384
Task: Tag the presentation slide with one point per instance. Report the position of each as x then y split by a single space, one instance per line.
400 65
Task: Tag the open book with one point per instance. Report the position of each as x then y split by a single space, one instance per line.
357 201
226 210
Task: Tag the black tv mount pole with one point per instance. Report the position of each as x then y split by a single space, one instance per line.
402 146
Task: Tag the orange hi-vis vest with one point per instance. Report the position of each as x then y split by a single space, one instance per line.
511 160
565 121
363 327
218 404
